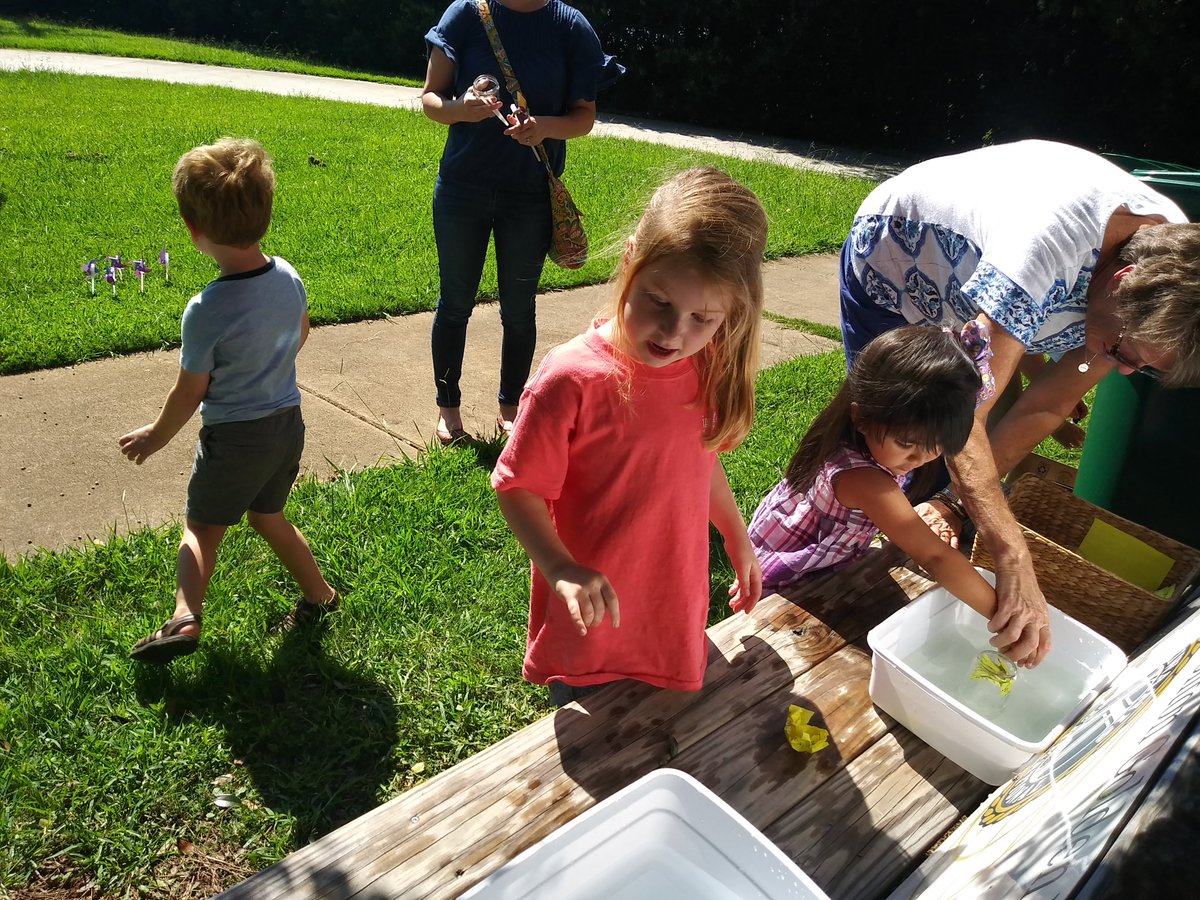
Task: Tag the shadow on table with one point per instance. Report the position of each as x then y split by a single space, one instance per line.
616 735
302 877
867 825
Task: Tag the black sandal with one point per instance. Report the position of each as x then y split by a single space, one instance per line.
306 613
167 643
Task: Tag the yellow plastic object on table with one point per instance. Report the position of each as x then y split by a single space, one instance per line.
1125 556
803 737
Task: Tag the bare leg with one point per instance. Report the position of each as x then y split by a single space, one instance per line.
450 425
295 554
508 415
194 568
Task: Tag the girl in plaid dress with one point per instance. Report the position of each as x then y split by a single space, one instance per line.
909 399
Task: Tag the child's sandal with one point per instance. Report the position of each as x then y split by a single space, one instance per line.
306 613
167 643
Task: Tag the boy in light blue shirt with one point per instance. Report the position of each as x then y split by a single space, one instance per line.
241 335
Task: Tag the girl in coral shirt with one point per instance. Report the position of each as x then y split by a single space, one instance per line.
611 475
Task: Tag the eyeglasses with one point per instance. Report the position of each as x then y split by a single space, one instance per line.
1114 353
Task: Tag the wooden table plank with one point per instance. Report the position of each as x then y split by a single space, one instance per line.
748 762
443 836
868 826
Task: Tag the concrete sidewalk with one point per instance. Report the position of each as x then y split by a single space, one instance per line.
367 388
367 394
798 154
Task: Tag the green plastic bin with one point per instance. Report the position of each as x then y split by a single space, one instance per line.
1141 459
1180 183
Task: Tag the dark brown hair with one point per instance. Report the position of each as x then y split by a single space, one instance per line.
915 382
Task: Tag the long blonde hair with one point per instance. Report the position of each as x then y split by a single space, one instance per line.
706 220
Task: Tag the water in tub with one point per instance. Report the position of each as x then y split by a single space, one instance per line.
1039 700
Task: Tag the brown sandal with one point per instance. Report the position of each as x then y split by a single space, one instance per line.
167 643
306 613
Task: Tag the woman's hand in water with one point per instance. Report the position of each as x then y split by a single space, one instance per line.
588 595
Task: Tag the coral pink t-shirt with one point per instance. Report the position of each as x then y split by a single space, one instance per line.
627 481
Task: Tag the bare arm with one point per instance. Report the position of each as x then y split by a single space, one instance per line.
723 512
1052 396
1021 621
185 396
885 504
437 97
586 592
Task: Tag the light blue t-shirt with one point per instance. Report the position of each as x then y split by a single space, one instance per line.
244 330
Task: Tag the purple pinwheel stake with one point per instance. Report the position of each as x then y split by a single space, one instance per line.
117 266
89 272
140 269
164 260
110 275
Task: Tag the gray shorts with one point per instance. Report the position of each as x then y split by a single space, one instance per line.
244 466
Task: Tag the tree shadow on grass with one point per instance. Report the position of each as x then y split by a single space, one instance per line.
315 738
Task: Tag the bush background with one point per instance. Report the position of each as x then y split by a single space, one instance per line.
908 79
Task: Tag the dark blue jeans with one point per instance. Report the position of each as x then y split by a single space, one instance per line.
464 217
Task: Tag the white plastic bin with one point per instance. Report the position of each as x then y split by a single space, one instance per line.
664 836
928 648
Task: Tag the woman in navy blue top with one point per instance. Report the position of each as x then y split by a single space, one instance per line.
490 181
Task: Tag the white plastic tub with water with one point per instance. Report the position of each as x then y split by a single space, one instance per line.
922 657
664 836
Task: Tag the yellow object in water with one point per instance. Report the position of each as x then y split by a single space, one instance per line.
991 666
803 737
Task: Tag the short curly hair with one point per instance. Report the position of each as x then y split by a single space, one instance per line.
226 190
1159 301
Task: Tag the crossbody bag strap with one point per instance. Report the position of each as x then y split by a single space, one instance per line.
506 69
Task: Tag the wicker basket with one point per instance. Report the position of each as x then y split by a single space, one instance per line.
1055 523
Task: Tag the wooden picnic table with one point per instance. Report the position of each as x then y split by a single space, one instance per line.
857 816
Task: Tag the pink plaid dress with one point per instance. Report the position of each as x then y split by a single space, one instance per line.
795 534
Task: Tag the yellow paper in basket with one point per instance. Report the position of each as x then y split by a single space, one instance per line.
1125 556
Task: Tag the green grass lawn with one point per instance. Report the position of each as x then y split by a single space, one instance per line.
36 34
109 766
85 166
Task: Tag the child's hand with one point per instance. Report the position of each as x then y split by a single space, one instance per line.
938 518
746 589
139 445
587 594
